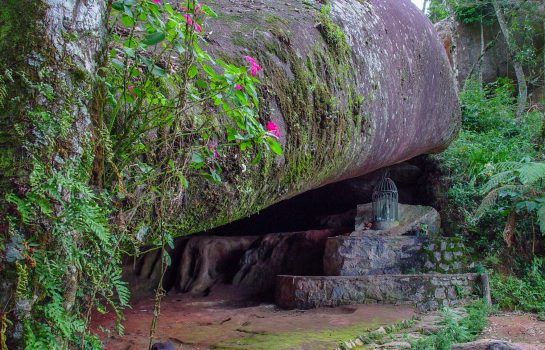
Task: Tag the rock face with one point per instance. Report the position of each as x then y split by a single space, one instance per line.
388 98
463 44
253 262
275 254
209 260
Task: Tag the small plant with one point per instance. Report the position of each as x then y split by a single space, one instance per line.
455 328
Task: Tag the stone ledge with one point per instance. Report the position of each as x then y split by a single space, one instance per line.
425 291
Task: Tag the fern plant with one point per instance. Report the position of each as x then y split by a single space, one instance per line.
521 185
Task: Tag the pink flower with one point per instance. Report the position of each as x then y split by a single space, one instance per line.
272 128
156 1
189 21
254 67
238 87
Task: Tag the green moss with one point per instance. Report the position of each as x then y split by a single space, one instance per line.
332 33
295 340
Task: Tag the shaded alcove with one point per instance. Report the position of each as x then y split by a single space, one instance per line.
286 238
416 180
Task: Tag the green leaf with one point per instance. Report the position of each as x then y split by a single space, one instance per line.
209 11
154 38
212 176
157 71
257 158
117 63
118 6
197 161
231 134
183 181
209 70
127 21
201 84
274 146
192 72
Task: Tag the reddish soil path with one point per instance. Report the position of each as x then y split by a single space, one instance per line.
226 314
526 330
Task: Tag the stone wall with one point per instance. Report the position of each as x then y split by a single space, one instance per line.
373 253
426 292
444 255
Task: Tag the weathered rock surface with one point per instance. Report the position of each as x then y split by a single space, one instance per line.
425 291
390 99
208 260
463 45
297 253
200 262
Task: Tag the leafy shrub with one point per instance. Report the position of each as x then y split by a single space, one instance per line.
490 138
525 293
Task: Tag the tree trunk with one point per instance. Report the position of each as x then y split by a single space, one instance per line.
519 71
48 55
481 56
424 6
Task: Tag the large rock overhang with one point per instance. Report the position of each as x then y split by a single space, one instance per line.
391 98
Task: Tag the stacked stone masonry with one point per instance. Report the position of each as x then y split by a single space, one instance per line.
397 266
426 291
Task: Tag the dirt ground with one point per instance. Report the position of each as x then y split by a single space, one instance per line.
226 320
526 330
230 319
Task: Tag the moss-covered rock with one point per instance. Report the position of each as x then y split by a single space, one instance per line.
354 87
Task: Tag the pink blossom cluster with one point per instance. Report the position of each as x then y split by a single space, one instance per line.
272 128
254 67
189 19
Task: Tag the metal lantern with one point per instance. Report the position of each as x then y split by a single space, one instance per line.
385 204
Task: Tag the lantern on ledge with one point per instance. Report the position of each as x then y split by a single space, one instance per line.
385 204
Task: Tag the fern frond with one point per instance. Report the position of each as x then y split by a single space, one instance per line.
498 179
507 166
488 202
5 78
532 172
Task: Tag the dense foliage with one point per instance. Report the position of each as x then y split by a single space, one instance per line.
496 195
166 111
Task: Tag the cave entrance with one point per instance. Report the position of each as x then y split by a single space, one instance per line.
286 238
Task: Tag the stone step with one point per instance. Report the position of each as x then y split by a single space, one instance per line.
425 291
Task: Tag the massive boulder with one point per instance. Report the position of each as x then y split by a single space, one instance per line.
365 86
